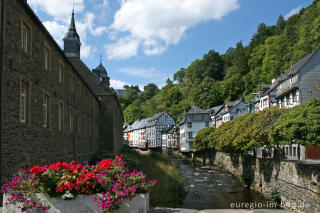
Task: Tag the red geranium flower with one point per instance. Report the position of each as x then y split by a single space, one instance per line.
37 170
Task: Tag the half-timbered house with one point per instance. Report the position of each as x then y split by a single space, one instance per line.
154 126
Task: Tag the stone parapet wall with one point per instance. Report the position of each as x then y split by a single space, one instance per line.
298 183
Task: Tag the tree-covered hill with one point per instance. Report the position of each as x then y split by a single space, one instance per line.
217 78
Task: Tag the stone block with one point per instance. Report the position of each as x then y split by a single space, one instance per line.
83 204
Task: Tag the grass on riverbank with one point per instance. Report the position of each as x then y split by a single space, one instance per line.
170 189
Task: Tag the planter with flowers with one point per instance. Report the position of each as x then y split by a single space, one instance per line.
107 186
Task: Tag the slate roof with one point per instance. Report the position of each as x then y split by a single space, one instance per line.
193 111
91 80
128 129
295 68
215 110
49 36
156 116
230 104
72 33
141 124
197 110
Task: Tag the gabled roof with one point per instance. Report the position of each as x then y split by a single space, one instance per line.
215 110
141 124
156 116
231 104
89 78
128 129
197 110
295 68
49 36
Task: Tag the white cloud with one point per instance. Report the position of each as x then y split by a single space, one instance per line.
87 51
60 10
87 25
57 30
293 12
116 84
154 25
57 8
124 48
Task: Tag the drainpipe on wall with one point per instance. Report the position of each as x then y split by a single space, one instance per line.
3 2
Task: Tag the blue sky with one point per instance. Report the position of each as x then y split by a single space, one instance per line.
147 41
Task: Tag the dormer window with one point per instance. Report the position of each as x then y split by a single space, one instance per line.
291 79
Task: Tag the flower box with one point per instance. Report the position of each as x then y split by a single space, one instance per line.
82 204
107 186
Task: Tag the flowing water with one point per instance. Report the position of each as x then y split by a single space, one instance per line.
212 188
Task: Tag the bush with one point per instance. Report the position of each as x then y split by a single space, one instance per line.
246 180
299 125
275 195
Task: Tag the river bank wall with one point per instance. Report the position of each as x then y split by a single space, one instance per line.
297 183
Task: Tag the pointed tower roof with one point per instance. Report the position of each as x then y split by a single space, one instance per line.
102 70
72 33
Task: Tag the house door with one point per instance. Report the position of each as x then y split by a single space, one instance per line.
313 152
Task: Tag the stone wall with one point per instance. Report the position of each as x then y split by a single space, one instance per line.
297 183
111 124
27 143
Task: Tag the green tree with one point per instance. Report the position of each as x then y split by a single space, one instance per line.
281 24
133 112
213 65
150 90
202 139
299 125
180 75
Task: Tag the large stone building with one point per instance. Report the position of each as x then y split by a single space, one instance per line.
53 107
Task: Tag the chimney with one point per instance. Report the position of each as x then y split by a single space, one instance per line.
272 81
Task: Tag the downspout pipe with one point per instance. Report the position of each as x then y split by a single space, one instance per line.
2 47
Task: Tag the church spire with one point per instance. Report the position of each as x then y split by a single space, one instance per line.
72 40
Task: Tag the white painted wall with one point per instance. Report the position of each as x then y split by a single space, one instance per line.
186 142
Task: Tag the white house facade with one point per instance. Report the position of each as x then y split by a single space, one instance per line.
195 120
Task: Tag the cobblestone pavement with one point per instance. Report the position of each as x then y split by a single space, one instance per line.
172 210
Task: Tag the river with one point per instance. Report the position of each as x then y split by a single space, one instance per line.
212 188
